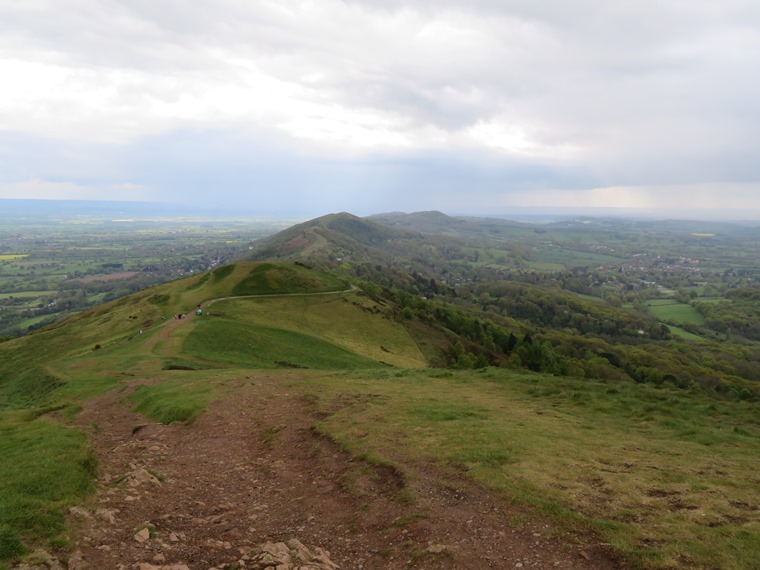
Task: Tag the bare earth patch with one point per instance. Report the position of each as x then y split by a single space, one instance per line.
251 471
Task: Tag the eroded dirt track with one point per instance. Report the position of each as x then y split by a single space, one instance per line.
251 470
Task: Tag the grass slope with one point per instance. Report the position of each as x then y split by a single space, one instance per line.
351 321
47 465
667 477
45 468
255 346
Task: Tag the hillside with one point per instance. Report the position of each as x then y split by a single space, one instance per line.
331 237
268 336
438 223
351 244
301 405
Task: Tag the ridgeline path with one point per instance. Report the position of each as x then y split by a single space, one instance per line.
252 470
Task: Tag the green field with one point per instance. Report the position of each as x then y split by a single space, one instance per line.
569 258
26 294
684 334
670 310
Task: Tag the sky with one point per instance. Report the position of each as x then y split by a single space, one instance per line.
480 107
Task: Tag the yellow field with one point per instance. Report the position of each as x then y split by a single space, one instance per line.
12 256
699 234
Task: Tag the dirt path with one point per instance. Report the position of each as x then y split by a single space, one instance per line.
251 470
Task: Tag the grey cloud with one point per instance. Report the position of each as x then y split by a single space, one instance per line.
646 92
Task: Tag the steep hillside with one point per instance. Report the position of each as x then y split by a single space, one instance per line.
349 242
331 237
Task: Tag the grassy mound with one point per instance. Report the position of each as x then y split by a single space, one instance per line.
256 346
351 321
278 278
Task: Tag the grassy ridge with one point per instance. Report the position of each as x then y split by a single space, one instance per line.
46 465
669 478
272 278
351 320
252 346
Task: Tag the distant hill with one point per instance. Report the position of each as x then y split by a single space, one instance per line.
426 244
435 222
329 238
344 238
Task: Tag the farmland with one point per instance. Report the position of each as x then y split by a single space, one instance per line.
671 310
54 267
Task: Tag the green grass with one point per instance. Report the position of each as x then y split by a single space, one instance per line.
664 475
256 346
684 334
546 266
172 401
349 320
570 258
223 272
670 310
27 294
275 278
45 467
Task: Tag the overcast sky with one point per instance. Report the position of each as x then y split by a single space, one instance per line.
476 106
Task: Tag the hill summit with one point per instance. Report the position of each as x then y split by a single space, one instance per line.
341 236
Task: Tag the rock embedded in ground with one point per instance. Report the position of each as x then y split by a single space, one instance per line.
291 555
142 536
80 513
